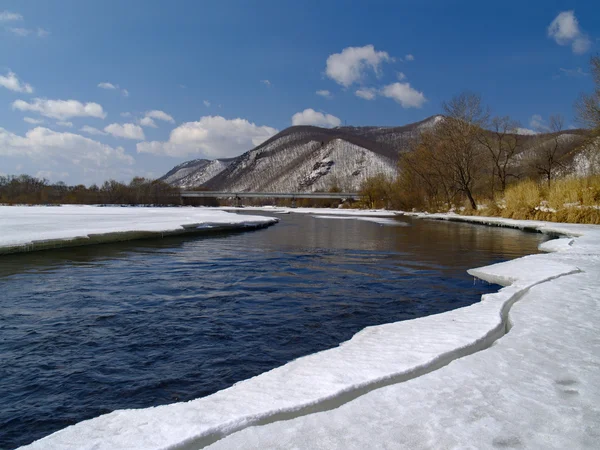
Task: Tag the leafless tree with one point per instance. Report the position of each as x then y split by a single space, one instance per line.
547 154
502 144
588 105
458 134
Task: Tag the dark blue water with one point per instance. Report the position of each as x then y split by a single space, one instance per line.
89 330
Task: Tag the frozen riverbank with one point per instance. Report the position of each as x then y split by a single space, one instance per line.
534 387
29 228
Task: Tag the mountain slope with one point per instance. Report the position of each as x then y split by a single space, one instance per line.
305 158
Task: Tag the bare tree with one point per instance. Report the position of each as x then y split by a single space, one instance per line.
502 144
460 150
547 155
588 105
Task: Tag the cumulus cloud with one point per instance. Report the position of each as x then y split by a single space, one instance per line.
91 130
366 93
125 131
404 94
538 123
60 109
22 32
579 72
352 63
160 115
324 93
44 144
565 30
212 137
12 82
409 57
7 16
401 76
311 117
33 121
524 131
266 82
206 103
63 123
111 86
148 122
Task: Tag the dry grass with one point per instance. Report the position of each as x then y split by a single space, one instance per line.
572 200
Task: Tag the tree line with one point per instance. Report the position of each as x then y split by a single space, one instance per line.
24 189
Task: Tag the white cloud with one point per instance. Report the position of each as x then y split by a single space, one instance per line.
366 93
12 82
160 115
63 123
44 144
148 122
91 130
400 76
404 94
409 57
579 72
33 121
212 137
324 93
42 33
111 86
23 32
311 117
126 114
7 16
107 85
266 82
538 123
126 131
565 30
61 109
524 131
51 175
206 103
352 63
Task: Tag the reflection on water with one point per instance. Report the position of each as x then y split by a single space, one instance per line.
92 329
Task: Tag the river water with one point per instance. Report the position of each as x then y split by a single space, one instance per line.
88 330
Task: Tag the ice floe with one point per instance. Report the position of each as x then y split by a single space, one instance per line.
27 228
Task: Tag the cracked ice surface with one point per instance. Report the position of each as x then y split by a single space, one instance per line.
31 226
433 382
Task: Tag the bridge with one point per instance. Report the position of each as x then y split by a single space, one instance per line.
291 195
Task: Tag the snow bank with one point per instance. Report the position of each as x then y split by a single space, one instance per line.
535 387
431 382
27 228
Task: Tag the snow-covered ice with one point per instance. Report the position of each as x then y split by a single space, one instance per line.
520 369
26 228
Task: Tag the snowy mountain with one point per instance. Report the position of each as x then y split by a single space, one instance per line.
195 173
305 158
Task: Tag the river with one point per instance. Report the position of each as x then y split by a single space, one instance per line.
88 330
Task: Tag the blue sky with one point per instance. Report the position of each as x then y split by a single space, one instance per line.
97 90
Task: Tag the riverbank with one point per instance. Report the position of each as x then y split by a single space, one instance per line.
488 375
31 228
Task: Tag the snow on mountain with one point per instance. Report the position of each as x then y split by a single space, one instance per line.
305 158
195 172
